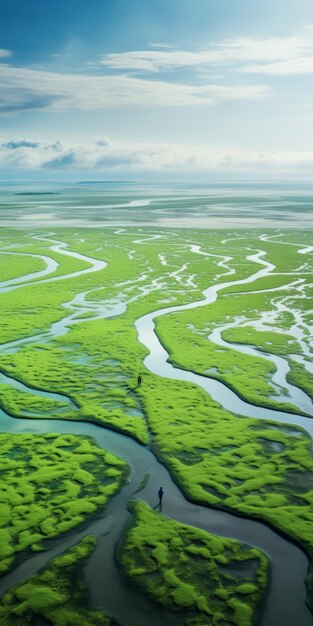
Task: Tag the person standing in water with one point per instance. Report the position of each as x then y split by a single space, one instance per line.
160 494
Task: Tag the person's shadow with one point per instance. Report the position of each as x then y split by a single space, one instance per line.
158 506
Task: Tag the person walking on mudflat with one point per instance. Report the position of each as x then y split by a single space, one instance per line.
160 494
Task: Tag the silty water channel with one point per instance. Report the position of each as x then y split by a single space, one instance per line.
286 599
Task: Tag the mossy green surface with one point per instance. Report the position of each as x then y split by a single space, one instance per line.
50 484
276 343
186 335
66 264
130 268
209 579
103 387
14 267
298 375
22 404
259 469
264 340
255 468
97 362
57 594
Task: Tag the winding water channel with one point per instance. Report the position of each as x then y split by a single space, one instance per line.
286 600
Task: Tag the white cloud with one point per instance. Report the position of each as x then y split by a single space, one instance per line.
161 45
28 88
301 65
260 53
24 88
103 155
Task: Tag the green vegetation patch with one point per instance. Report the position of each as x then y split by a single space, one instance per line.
14 266
22 404
209 579
186 336
57 594
299 376
265 340
92 367
48 485
275 343
258 468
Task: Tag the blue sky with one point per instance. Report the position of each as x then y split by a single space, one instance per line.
191 88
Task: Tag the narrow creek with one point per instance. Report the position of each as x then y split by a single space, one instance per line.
278 378
286 600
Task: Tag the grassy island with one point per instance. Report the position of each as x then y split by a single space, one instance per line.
209 579
49 485
57 594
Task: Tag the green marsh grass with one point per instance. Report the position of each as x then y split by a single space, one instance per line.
185 336
14 267
256 469
191 571
49 485
275 343
233 463
57 594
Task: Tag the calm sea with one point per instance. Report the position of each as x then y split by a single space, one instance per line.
98 203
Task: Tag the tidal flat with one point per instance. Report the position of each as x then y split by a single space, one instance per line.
182 309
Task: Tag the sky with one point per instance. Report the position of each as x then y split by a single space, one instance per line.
173 89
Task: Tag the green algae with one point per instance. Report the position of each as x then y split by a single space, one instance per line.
39 305
186 337
190 432
218 459
49 485
190 571
14 267
275 343
298 375
96 387
21 403
56 594
228 462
